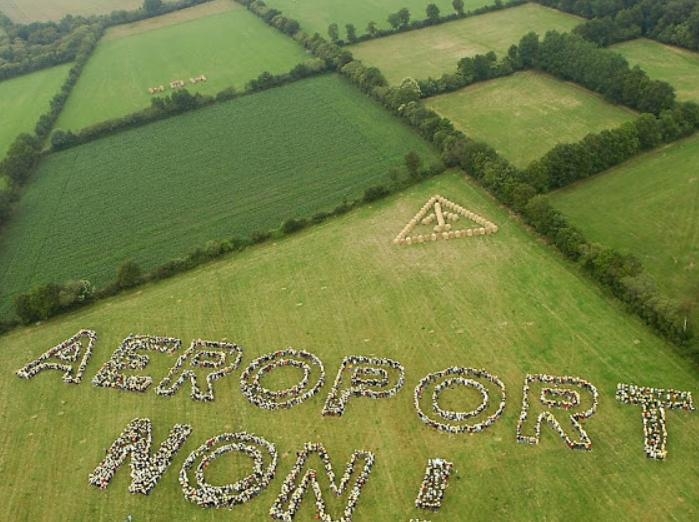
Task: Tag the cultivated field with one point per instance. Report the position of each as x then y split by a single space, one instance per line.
650 207
317 15
229 47
679 67
503 303
524 115
25 11
24 99
436 50
159 191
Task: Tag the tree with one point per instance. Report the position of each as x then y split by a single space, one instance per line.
458 6
128 274
351 33
413 163
404 17
152 6
333 32
371 28
432 12
394 20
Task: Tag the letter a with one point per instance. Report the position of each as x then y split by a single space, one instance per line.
64 355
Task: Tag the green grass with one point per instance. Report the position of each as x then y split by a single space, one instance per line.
159 191
436 50
648 206
679 67
24 99
229 47
524 115
26 11
317 15
504 303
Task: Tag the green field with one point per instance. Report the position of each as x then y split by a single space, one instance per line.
317 15
524 115
159 191
26 11
221 40
679 67
504 303
24 99
649 206
436 50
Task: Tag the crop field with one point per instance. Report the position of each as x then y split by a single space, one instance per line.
26 11
317 15
159 191
679 67
221 40
649 207
24 99
436 50
503 302
524 115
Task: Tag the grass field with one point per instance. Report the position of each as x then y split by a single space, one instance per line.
679 67
221 40
649 206
25 11
317 15
504 303
524 115
159 191
24 99
436 50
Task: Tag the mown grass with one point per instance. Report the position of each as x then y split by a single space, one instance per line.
524 115
317 15
679 67
159 191
649 207
24 99
26 11
229 47
436 50
504 303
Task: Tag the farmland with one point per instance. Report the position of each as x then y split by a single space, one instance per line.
159 191
199 40
317 15
504 303
648 207
679 67
436 50
24 99
26 11
526 114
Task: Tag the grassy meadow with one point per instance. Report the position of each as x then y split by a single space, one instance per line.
317 15
503 302
679 67
648 206
26 11
24 99
157 192
436 50
524 115
221 40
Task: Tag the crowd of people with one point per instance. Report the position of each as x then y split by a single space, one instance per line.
457 376
212 355
146 470
365 380
257 394
125 358
68 352
434 484
654 402
295 486
240 492
559 398
562 400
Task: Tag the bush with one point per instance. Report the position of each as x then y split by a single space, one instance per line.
293 225
128 274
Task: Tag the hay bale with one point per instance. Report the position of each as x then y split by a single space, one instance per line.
433 237
469 232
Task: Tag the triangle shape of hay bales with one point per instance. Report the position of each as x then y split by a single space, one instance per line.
443 216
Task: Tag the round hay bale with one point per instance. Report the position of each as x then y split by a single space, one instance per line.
433 237
408 241
451 235
469 232
445 235
447 227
